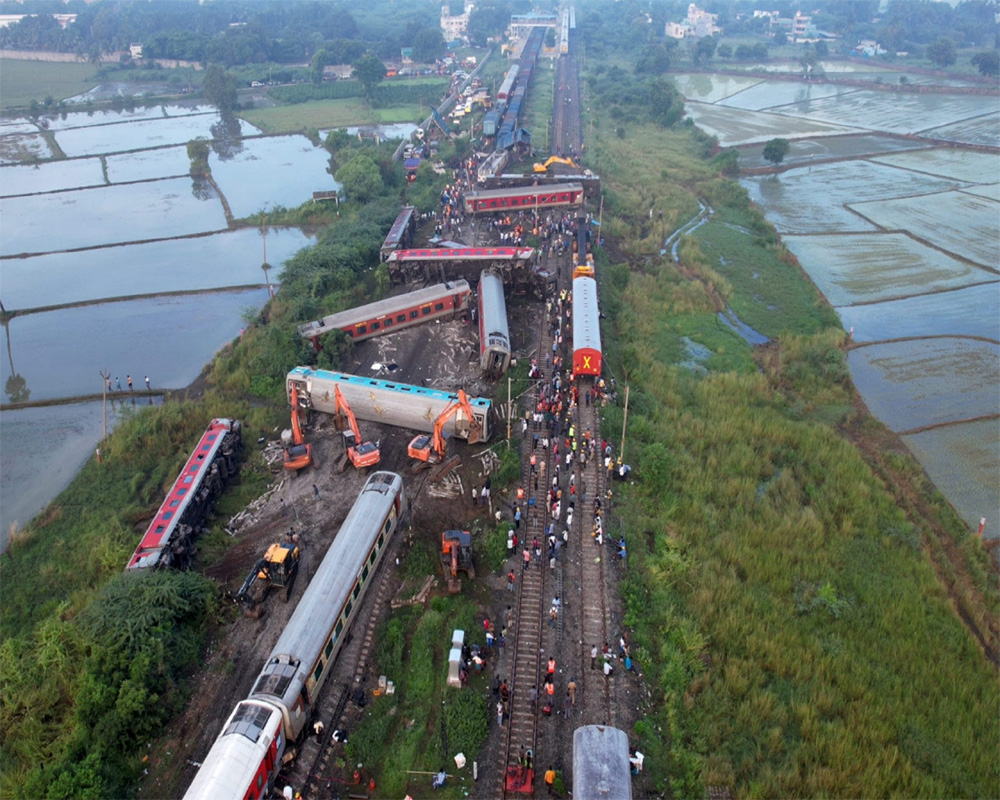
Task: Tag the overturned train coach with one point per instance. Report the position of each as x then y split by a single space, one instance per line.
388 402
169 539
517 267
523 198
265 729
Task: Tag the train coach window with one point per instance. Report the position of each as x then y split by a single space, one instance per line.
439 306
319 671
160 528
362 329
375 326
388 322
371 558
364 573
338 631
329 648
401 318
425 310
357 590
348 608
414 314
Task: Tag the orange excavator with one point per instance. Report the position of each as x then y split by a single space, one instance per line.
456 554
298 454
361 454
427 449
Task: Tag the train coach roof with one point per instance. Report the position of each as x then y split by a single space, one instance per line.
306 633
549 188
463 254
491 299
389 305
586 315
600 763
302 373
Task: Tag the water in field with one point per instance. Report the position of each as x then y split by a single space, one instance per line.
868 267
712 88
108 215
735 127
972 311
902 236
61 353
137 224
771 95
217 261
273 171
913 384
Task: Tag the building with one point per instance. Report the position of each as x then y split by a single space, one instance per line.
698 24
455 26
802 25
522 24
64 20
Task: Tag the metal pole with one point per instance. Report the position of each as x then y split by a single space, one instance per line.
621 452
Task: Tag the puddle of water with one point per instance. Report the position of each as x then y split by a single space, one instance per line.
740 328
962 461
53 176
912 384
42 450
276 170
170 339
225 259
973 311
110 214
696 353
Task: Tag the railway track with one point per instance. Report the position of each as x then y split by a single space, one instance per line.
522 726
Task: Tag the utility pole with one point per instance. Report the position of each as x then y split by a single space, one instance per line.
621 451
105 380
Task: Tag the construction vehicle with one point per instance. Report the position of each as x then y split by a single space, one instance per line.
277 568
429 449
456 554
544 167
361 454
298 454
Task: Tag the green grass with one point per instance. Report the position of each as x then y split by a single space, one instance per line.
24 81
329 114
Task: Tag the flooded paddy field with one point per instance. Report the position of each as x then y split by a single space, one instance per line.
962 462
177 265
916 383
138 225
264 173
960 165
901 235
107 215
866 268
737 126
972 311
803 152
712 88
956 221
984 130
60 353
814 200
769 95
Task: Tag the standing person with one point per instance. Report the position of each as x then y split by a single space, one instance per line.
593 657
533 698
129 379
148 387
511 577
527 559
572 690
475 495
510 543
108 379
500 713
118 383
567 705
550 780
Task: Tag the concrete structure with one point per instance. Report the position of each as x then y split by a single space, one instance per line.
698 24
455 26
522 24
63 19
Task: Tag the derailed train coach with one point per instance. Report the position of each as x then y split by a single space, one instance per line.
586 328
494 331
266 729
169 539
389 402
601 763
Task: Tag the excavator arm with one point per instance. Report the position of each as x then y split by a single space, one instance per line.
360 453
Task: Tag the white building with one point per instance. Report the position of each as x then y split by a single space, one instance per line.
698 24
457 26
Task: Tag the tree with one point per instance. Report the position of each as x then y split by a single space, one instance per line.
550 37
319 60
666 105
428 45
822 49
988 63
360 178
780 38
653 60
760 50
220 88
370 71
776 150
942 52
725 51
704 50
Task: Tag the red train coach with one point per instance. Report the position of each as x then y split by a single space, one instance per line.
586 328
169 539
524 198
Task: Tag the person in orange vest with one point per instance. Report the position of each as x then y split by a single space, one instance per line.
550 780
